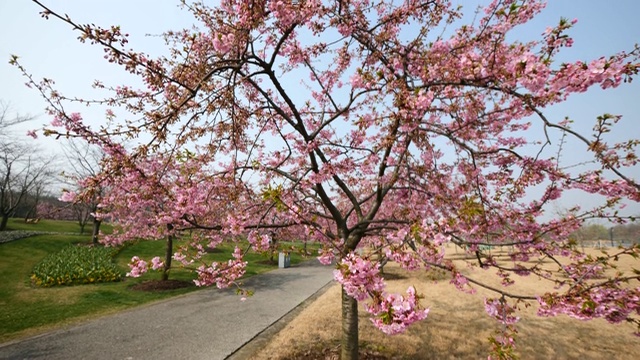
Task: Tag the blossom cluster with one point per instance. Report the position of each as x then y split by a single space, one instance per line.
260 242
326 256
614 305
462 283
137 266
68 196
394 313
358 277
182 258
500 310
156 263
222 274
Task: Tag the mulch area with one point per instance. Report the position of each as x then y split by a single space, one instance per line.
160 285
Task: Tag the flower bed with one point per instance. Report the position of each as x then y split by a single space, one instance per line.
77 265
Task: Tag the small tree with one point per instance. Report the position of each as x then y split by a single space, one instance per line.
52 208
84 162
158 201
35 196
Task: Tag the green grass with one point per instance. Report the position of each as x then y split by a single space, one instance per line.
53 226
27 309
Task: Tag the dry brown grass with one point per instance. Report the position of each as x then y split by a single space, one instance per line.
457 327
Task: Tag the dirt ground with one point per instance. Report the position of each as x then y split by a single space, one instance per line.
457 326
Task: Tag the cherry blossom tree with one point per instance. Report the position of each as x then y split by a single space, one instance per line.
83 163
156 199
54 209
365 126
160 199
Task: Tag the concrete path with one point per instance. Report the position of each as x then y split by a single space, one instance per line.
208 324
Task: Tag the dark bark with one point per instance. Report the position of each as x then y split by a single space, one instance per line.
168 255
95 231
273 249
3 223
349 344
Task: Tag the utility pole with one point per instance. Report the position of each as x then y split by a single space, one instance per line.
611 235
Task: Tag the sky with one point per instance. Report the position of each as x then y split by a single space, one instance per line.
49 48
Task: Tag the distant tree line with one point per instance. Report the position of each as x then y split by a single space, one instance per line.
622 233
30 182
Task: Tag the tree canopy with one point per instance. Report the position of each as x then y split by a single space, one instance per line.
365 126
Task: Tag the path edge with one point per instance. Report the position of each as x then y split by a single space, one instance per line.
263 337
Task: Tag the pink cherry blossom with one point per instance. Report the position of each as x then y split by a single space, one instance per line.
137 266
358 277
394 313
156 263
68 196
501 311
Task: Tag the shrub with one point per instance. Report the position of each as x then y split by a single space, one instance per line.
77 265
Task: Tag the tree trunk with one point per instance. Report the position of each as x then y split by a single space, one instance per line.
3 223
273 249
82 225
168 255
95 230
349 348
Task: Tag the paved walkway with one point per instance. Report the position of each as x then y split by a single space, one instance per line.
208 324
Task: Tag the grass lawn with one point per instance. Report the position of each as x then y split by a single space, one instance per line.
52 226
28 310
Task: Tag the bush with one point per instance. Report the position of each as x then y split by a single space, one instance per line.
77 265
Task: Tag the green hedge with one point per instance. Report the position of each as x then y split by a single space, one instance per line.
77 265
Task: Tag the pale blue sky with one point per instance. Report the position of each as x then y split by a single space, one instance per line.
48 48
